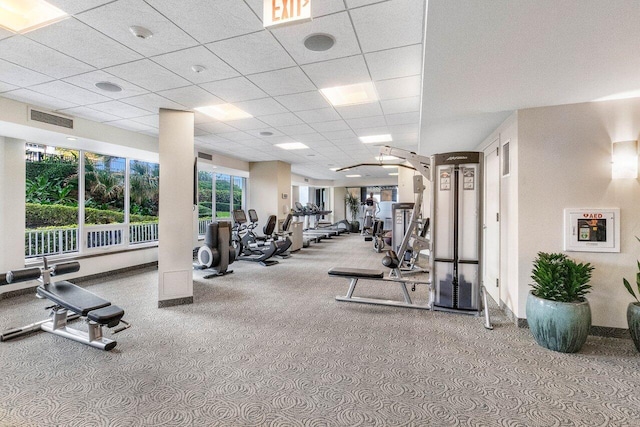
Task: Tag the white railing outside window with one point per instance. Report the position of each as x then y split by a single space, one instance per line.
50 242
143 233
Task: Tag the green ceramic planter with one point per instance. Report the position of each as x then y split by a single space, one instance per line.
558 326
633 320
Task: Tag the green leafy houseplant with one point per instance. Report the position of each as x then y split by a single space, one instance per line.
628 285
633 310
558 278
353 205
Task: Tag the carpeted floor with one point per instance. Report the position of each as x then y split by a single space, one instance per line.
271 347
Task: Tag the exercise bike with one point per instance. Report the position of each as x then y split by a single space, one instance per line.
247 249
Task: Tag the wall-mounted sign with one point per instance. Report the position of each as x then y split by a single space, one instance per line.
280 12
592 230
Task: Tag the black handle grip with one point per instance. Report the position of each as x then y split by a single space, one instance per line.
22 275
65 268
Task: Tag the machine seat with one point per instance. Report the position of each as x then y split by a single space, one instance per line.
109 316
360 273
72 297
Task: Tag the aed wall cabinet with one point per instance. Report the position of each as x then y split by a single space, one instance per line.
592 230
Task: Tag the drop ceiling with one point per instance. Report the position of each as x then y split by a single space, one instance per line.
267 73
481 61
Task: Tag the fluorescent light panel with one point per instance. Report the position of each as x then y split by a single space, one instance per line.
334 169
224 112
21 16
385 158
390 166
359 93
373 139
292 146
393 174
353 176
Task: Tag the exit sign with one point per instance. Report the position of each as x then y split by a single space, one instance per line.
279 12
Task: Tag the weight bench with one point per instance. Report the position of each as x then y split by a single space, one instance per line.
70 302
354 274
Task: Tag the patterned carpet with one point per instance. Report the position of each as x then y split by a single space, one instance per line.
271 347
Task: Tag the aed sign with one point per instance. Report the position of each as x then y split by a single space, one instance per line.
592 230
280 12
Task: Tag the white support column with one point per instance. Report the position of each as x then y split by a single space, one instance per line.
175 246
12 204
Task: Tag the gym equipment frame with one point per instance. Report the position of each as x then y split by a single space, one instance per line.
67 297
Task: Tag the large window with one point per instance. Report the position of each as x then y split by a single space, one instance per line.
229 195
205 195
116 206
223 196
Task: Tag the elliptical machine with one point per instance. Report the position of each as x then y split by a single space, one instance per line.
217 252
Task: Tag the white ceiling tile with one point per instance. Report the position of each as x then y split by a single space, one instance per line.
261 107
6 87
338 72
199 132
199 118
362 110
283 82
303 101
38 99
393 63
212 139
30 54
320 115
380 130
119 109
403 87
90 114
68 92
130 125
191 96
248 124
252 53
357 3
5 33
148 74
95 49
216 127
297 130
338 26
180 62
256 133
283 119
403 118
152 120
152 102
115 19
366 122
314 138
402 105
389 24
208 21
234 90
76 6
89 80
339 134
236 136
402 129
330 126
20 76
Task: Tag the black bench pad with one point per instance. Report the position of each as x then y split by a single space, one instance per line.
361 273
72 297
109 316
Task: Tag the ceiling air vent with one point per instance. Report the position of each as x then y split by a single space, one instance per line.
50 119
205 156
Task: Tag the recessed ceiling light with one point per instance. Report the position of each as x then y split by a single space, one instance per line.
108 87
372 139
21 16
292 146
390 166
393 174
224 112
70 138
319 42
198 68
266 133
384 158
359 93
334 169
353 176
140 32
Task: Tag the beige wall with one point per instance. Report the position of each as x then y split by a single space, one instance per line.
564 157
268 181
12 208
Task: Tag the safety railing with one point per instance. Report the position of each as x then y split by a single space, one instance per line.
202 226
50 242
143 233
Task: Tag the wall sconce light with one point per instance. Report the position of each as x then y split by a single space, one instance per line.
624 160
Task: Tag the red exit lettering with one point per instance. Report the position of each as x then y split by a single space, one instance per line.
287 9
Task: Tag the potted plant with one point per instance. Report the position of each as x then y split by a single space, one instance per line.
558 313
633 310
353 206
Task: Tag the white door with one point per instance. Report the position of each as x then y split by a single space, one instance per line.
491 226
